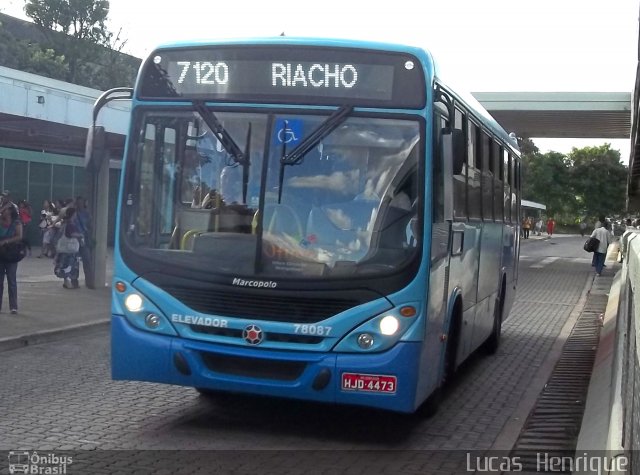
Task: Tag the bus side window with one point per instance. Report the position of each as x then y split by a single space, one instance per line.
439 124
487 178
506 159
460 180
514 189
474 197
498 192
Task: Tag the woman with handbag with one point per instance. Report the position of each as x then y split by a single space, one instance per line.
10 240
67 266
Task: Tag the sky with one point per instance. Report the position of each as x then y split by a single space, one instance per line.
484 45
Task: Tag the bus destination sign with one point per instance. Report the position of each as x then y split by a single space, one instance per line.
237 75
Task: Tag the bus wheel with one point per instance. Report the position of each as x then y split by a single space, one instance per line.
493 342
430 405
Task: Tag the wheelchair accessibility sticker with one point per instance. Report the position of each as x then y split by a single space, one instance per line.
288 132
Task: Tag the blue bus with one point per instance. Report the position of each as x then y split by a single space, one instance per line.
324 220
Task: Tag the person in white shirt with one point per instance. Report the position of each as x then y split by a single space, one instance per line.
603 235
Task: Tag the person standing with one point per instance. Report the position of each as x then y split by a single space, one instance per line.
526 227
603 235
47 217
25 211
66 265
82 222
10 231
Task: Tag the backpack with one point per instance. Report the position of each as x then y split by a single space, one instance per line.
591 244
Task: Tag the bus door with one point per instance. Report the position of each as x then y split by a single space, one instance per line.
462 188
464 262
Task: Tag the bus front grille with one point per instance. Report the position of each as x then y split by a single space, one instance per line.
289 308
253 367
268 336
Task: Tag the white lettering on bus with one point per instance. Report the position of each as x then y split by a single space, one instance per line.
206 72
318 75
269 284
199 320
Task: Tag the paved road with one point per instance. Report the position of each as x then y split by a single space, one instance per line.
58 396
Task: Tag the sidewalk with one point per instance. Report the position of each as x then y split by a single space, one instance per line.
46 310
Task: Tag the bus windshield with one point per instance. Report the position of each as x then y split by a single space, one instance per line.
220 192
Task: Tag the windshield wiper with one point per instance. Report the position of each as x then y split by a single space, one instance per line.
221 133
298 153
316 136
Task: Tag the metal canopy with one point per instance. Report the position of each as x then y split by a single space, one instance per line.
605 115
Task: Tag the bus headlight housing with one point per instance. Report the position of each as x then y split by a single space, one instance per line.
139 311
380 332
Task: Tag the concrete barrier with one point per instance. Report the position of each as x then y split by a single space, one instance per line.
610 427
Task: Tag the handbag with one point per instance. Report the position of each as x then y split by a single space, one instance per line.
591 244
13 252
67 245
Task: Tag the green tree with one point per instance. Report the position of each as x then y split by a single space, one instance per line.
546 179
527 147
30 57
599 180
77 28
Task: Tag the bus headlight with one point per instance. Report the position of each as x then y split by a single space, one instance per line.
365 341
133 302
384 330
389 325
152 320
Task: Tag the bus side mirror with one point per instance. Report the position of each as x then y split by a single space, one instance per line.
453 149
94 153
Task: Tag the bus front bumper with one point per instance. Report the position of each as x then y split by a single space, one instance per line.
384 380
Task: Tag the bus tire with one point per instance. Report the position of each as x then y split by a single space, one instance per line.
451 350
492 343
430 406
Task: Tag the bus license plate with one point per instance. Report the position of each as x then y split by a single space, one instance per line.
376 383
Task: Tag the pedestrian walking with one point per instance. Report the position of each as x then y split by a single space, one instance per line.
539 225
603 235
10 234
583 227
551 224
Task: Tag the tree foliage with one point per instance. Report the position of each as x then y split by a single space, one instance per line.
546 179
80 25
73 44
588 182
599 180
30 57
80 19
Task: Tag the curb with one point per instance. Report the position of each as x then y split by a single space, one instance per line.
512 428
20 341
